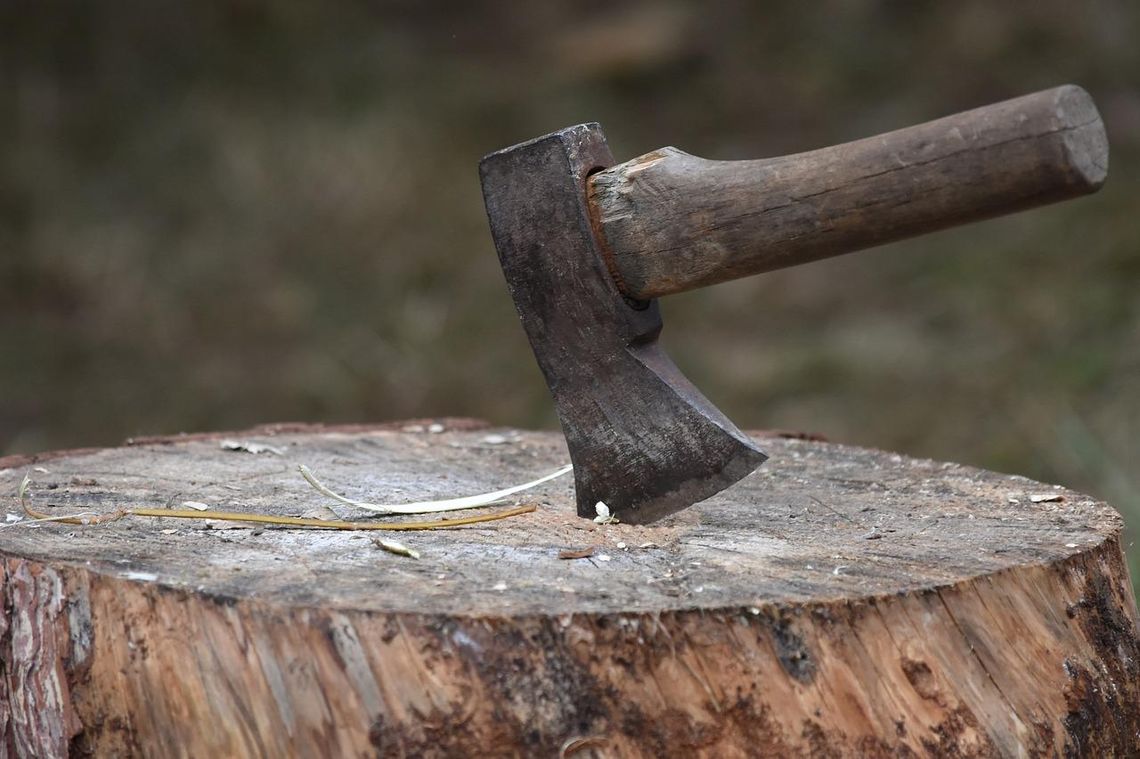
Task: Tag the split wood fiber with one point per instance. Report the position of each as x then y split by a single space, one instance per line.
839 602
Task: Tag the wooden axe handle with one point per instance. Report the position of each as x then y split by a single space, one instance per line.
671 222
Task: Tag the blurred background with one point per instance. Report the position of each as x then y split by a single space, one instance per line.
215 214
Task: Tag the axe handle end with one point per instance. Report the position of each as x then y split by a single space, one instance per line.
671 222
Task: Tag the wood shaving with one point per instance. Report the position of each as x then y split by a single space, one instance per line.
88 518
425 507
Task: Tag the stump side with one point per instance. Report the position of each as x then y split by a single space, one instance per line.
840 600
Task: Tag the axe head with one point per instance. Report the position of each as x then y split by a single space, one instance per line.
642 438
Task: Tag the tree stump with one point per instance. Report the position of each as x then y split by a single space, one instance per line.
838 602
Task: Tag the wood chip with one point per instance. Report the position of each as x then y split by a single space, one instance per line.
249 446
604 516
498 439
1046 498
577 553
196 505
396 547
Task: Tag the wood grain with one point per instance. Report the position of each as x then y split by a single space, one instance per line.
672 222
839 602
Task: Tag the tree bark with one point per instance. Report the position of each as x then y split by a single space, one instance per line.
838 602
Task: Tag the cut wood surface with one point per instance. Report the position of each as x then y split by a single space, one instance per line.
837 602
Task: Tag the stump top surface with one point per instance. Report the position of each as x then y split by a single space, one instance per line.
817 522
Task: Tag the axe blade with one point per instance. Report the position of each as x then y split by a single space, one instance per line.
642 438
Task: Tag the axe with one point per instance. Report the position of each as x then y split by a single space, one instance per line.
587 247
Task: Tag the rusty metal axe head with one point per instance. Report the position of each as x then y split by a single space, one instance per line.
642 438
